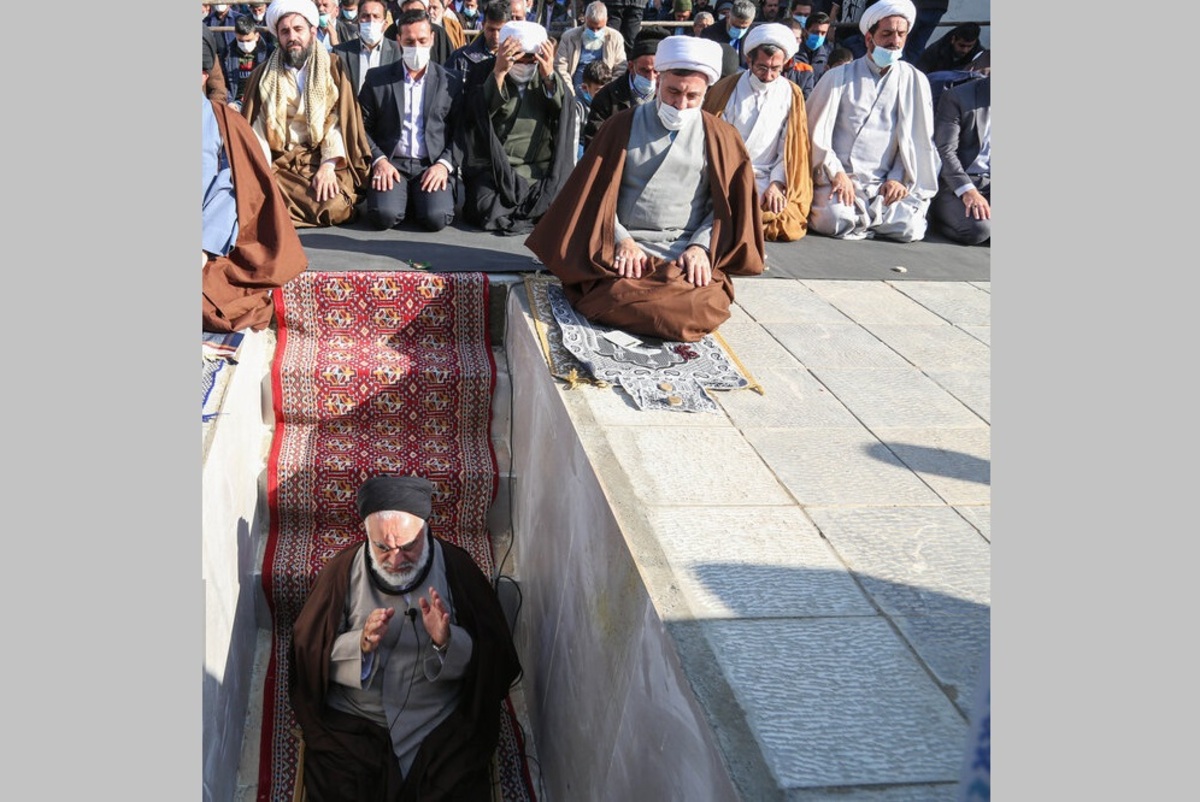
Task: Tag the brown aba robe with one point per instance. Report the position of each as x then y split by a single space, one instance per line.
792 222
576 240
237 287
294 169
453 760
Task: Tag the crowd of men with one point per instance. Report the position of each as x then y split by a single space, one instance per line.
424 112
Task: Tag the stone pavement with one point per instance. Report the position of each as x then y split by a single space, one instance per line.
790 599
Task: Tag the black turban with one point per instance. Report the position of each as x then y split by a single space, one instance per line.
411 494
646 43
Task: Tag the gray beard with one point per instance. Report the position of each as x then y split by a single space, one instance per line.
297 58
399 580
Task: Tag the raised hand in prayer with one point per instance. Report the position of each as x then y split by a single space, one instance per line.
630 259
696 266
436 618
892 191
506 56
975 205
374 629
843 189
774 200
325 183
545 59
435 178
384 175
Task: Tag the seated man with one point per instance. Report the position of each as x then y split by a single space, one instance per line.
733 29
302 107
248 243
411 111
954 51
870 122
633 88
592 41
474 61
660 211
962 131
768 111
815 46
521 136
401 657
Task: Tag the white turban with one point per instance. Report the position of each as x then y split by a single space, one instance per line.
887 8
690 53
772 33
281 8
529 34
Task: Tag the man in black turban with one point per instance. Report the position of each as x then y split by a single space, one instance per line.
401 658
633 88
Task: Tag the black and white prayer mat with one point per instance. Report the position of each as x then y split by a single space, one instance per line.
656 374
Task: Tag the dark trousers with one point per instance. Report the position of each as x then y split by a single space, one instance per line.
948 212
432 210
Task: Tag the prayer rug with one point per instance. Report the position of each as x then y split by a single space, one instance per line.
374 372
656 374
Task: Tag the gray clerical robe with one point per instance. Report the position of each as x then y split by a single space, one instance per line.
403 686
664 202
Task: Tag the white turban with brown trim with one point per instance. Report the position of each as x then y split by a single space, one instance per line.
690 53
281 8
884 9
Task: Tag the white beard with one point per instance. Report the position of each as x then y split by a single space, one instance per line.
402 579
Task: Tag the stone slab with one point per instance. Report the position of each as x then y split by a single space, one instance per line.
981 333
940 347
791 398
834 345
756 348
972 388
953 648
678 466
839 702
896 398
784 301
927 792
912 561
873 302
838 466
957 302
980 517
956 463
754 562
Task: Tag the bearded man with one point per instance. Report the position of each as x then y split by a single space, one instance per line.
401 658
301 105
875 167
660 211
768 111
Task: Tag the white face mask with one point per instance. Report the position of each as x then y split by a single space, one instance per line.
220 9
246 47
370 32
350 13
522 73
674 119
415 58
756 85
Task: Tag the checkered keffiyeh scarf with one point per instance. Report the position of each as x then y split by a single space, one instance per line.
320 95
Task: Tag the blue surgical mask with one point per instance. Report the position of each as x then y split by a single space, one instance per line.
470 13
814 40
884 58
642 85
323 20
737 33
586 95
592 36
800 18
349 13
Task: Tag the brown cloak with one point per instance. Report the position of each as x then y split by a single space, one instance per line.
792 222
576 239
458 751
294 169
237 287
454 31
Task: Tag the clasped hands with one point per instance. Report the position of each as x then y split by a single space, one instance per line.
843 189
434 616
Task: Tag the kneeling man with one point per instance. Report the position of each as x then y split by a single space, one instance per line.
401 658
660 210
768 111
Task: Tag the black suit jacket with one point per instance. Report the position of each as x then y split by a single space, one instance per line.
348 52
963 113
382 103
613 97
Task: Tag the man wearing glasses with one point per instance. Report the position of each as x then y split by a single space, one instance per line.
401 659
768 111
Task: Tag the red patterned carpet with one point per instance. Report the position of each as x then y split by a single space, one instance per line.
386 372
